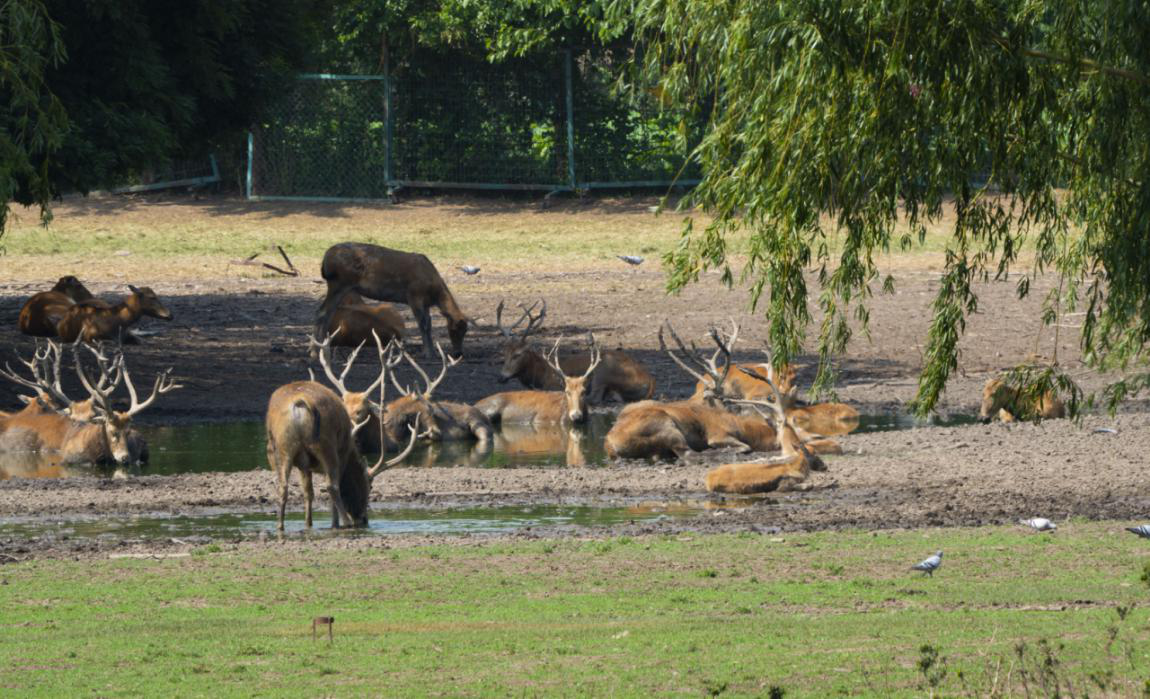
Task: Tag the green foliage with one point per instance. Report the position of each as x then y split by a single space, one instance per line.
1028 118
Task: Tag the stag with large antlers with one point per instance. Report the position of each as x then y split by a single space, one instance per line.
390 275
444 421
105 436
41 312
310 428
568 406
618 374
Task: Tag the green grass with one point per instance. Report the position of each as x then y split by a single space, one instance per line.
814 615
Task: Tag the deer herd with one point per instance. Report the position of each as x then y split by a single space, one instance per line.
329 429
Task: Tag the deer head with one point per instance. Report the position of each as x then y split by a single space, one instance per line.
358 404
575 387
517 348
148 303
713 379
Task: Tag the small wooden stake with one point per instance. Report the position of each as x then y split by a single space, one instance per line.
320 621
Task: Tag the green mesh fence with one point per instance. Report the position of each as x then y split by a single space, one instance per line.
545 124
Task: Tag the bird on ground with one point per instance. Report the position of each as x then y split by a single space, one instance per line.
1039 523
631 259
468 269
1142 530
929 565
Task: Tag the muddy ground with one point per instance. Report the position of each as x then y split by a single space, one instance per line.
235 339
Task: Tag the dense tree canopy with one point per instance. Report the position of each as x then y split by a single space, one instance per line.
864 118
96 90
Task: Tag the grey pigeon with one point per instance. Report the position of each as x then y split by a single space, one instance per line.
1040 523
1105 430
1142 530
631 259
929 565
468 269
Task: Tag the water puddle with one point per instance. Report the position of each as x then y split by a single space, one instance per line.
384 520
239 446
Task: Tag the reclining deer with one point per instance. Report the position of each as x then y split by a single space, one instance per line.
566 407
780 473
390 275
94 319
106 437
354 321
42 311
617 374
1007 403
444 421
309 428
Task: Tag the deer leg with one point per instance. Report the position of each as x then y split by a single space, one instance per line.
305 480
722 443
283 478
423 318
332 467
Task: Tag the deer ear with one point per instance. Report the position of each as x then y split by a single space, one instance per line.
133 289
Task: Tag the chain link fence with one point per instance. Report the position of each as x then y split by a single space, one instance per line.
551 125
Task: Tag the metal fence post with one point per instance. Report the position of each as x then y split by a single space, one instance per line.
248 180
387 125
570 119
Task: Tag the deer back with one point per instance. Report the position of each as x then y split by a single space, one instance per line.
352 324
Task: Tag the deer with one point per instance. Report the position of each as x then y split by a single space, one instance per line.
42 311
48 394
358 405
444 421
106 438
310 428
672 430
94 319
1008 404
394 276
618 374
565 407
354 321
780 473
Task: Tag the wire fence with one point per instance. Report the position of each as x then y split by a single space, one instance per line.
556 125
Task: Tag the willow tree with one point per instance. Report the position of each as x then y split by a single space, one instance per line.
860 120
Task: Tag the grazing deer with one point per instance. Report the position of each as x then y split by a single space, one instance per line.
354 321
568 406
443 421
93 320
618 374
106 437
390 275
1008 404
309 427
41 312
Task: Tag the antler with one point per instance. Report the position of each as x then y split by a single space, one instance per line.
163 384
325 362
427 382
776 406
533 322
381 464
100 392
41 384
709 366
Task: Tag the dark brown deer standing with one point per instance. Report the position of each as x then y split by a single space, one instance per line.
390 275
41 312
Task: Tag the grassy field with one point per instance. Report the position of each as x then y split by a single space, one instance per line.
803 615
114 236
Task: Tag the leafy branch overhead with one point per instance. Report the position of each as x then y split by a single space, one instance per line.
864 120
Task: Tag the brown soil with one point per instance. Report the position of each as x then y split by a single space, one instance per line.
235 340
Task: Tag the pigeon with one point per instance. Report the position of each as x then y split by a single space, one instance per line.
1105 430
929 565
1039 523
631 259
469 270
1142 530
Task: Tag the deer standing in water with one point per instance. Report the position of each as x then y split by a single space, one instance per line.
106 437
92 320
309 428
568 406
617 374
444 421
390 275
42 311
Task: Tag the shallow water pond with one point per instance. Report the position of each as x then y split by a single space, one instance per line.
384 520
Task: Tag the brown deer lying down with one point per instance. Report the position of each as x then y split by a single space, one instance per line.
568 406
94 319
390 275
617 374
651 429
1008 404
443 421
311 428
353 322
715 385
106 438
44 310
780 473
